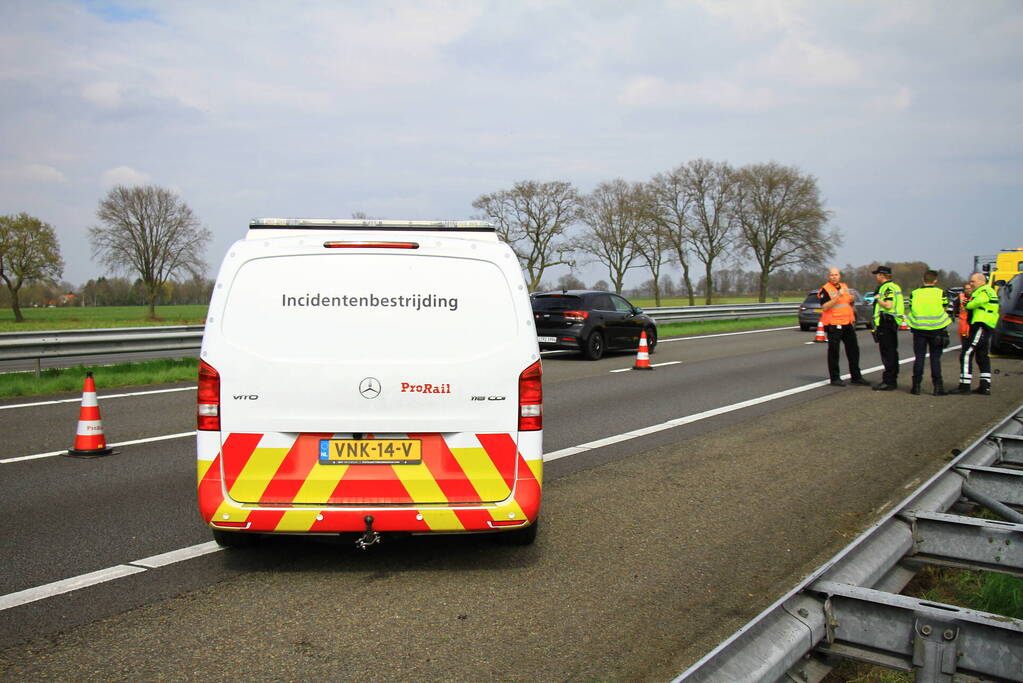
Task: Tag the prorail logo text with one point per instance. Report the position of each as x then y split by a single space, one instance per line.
412 301
427 388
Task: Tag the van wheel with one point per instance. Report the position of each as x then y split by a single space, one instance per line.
233 539
594 348
651 339
523 536
804 327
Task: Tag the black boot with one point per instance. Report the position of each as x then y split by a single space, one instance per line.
915 389
964 388
984 388
939 387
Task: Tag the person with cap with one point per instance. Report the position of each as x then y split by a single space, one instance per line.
983 312
929 322
888 307
839 320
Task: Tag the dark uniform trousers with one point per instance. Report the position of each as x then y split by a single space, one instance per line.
979 345
888 347
843 334
927 342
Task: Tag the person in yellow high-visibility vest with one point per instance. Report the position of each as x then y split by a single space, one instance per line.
929 322
983 312
888 310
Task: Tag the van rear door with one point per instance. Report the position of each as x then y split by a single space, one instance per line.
323 350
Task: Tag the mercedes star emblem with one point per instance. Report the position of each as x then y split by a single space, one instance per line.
369 387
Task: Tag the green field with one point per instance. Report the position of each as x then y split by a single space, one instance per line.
86 317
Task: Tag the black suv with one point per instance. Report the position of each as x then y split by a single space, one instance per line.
590 322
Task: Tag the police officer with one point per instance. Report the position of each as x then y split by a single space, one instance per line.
888 306
839 320
983 312
929 322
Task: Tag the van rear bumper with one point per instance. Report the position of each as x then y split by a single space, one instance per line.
219 511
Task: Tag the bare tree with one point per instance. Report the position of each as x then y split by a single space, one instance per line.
570 281
653 243
613 213
782 219
150 231
669 206
29 253
532 217
711 186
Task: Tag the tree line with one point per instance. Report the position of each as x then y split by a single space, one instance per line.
697 214
702 220
786 282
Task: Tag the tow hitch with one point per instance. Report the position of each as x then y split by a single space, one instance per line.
369 537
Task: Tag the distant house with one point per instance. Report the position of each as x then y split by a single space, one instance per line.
68 299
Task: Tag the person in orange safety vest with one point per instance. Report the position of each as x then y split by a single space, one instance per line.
962 319
839 320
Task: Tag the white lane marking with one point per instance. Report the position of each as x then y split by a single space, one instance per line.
110 445
119 571
678 422
653 365
101 398
164 559
67 585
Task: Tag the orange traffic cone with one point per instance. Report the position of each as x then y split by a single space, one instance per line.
903 325
820 336
642 355
89 439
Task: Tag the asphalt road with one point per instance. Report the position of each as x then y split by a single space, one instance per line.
653 548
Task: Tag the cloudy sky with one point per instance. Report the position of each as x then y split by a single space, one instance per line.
909 113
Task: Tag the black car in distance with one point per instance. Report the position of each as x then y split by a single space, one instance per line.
590 322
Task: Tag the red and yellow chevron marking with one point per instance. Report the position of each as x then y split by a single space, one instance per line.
277 488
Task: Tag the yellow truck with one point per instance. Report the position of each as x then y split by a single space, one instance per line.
1000 267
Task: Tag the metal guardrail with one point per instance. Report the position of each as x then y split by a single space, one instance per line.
63 343
38 345
666 314
850 607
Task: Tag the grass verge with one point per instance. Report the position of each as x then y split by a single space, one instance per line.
713 326
986 591
94 317
56 380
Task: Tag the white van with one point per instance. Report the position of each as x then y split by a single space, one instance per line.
370 377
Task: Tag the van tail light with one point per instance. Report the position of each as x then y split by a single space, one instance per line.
577 316
208 398
531 398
